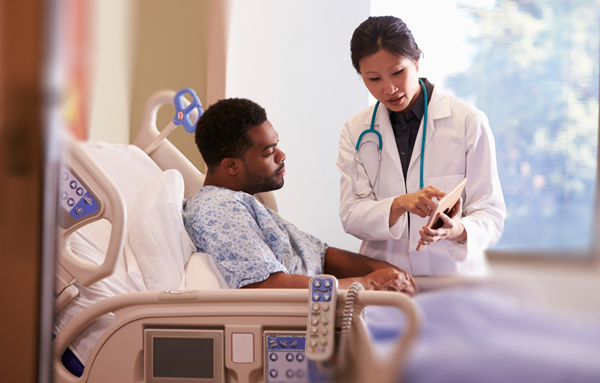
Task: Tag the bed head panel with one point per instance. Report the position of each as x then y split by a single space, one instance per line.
166 155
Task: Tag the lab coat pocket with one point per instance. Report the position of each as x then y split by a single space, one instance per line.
445 183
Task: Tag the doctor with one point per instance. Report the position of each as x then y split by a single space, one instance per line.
386 197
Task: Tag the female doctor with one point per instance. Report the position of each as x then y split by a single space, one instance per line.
386 196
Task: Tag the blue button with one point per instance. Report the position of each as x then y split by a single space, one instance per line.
273 373
289 374
78 210
273 356
70 202
79 191
88 200
283 343
273 343
289 357
300 357
73 184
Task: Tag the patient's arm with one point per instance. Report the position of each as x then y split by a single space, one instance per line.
348 268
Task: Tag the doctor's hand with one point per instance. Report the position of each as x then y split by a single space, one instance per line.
452 229
419 203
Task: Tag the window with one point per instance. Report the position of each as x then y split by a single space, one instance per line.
532 67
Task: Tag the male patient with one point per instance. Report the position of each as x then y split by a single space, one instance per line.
250 243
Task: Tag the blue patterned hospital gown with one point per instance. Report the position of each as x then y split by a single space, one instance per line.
247 240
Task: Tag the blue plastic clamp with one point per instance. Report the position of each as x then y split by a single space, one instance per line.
182 115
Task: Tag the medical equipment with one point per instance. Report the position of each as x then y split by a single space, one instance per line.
371 129
182 117
233 334
322 299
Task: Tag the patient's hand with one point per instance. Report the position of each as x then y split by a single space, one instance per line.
390 279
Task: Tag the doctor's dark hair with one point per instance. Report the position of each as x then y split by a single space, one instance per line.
222 131
382 32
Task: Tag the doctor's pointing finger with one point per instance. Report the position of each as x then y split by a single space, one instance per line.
397 158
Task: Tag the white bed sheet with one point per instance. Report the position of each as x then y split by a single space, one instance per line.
481 335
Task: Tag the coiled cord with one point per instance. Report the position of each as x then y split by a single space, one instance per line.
347 325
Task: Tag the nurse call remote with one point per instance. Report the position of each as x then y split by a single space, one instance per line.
320 330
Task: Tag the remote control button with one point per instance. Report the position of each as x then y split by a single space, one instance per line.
70 202
272 343
327 283
313 343
326 307
294 343
324 321
324 331
314 330
283 343
87 200
316 307
273 373
289 374
300 374
327 297
73 184
65 176
79 191
273 356
64 195
323 341
289 357
316 297
300 357
314 321
78 210
316 283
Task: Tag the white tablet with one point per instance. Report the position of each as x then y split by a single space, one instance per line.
444 206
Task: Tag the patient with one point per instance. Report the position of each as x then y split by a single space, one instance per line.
250 243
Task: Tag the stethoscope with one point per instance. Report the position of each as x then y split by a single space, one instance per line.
372 130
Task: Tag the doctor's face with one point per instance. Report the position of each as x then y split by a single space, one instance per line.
264 166
392 80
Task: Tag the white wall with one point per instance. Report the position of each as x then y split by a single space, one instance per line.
293 58
112 31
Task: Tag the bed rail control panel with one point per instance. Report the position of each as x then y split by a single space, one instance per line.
285 359
75 200
321 317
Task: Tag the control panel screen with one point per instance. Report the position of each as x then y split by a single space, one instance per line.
183 358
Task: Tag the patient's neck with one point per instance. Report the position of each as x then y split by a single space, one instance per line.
222 181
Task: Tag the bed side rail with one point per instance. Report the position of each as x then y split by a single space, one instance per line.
222 305
87 194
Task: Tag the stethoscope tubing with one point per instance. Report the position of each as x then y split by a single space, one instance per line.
380 146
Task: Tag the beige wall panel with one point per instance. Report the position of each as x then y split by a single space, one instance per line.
177 45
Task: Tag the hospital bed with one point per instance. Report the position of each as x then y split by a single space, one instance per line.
128 322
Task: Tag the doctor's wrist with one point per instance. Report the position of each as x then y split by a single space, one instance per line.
462 237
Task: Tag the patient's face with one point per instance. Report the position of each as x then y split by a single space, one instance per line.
263 163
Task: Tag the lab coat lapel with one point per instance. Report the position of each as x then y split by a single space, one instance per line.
438 108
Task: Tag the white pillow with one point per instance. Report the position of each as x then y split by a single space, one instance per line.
201 273
157 246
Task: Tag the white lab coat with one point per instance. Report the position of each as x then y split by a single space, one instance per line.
459 143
